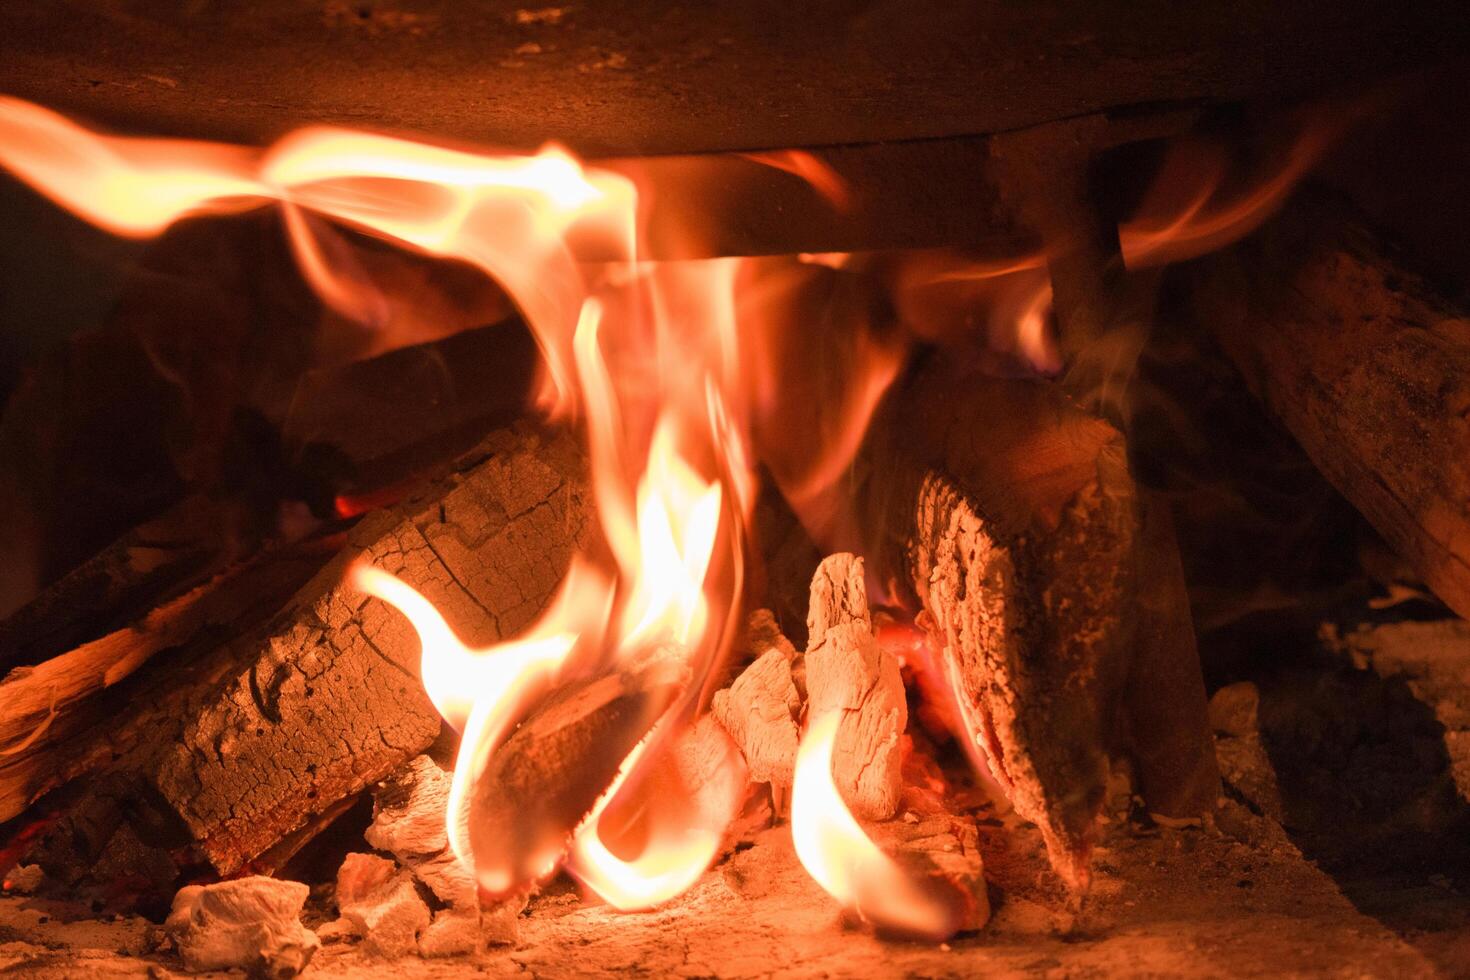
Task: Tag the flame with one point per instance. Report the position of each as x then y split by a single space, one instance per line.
844 860
812 169
1184 215
647 357
681 390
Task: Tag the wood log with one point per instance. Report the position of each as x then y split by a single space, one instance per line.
243 742
1365 364
1010 517
119 585
46 706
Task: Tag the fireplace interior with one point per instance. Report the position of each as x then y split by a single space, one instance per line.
853 489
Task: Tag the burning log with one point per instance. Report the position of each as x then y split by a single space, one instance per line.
1012 517
1366 365
332 700
252 745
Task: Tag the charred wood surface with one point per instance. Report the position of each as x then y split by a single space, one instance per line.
1366 364
252 736
1013 518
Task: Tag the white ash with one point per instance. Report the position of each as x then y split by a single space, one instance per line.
382 903
847 671
253 924
409 823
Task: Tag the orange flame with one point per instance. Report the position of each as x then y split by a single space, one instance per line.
648 356
844 860
680 391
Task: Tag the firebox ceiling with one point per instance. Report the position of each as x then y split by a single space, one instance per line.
657 76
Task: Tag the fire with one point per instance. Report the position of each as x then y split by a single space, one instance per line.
681 374
843 860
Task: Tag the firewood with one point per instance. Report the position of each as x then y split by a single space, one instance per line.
330 700
1011 516
1365 364
44 707
847 671
245 742
120 584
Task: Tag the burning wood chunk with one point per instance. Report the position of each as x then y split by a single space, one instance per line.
250 923
706 763
847 671
24 879
1366 364
760 710
381 902
1017 519
452 933
539 785
838 596
763 633
409 810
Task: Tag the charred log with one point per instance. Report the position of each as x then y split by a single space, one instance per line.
1012 518
1366 365
249 741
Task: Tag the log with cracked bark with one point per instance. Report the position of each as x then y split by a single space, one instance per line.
1366 364
246 741
1010 516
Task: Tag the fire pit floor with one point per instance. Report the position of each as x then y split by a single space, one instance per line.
1198 902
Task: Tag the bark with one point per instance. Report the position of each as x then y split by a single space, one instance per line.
247 741
1366 365
1012 516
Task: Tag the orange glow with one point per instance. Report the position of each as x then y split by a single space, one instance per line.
844 860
